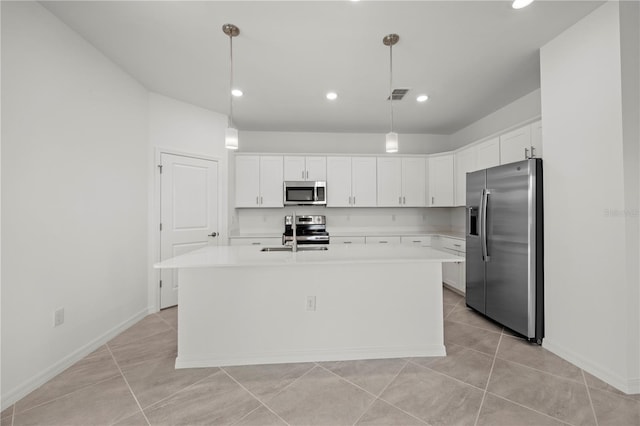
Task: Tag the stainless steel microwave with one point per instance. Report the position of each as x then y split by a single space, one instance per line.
305 193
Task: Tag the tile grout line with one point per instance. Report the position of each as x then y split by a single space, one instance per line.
448 376
593 409
530 408
475 326
393 405
159 403
377 397
165 321
128 386
484 395
262 403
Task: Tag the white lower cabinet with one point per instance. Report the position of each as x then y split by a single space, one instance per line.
265 241
382 240
453 274
347 240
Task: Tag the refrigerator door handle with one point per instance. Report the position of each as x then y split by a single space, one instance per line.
483 224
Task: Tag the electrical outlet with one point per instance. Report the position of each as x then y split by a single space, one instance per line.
58 317
311 303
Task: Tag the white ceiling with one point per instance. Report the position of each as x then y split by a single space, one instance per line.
471 57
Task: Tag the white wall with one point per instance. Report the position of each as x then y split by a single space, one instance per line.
338 143
588 296
74 197
517 113
178 127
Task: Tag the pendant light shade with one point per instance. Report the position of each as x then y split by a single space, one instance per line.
391 144
231 138
231 133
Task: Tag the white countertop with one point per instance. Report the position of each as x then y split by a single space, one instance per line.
229 256
341 233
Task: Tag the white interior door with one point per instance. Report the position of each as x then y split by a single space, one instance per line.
189 213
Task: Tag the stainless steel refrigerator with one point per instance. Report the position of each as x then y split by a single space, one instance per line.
504 258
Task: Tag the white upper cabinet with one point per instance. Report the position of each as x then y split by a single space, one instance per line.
465 162
414 181
364 181
441 192
351 182
401 181
248 181
536 139
488 154
515 145
305 168
389 182
259 181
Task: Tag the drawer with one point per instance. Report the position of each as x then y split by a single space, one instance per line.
418 240
453 244
383 240
255 241
346 240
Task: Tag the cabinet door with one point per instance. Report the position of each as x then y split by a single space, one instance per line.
441 181
316 168
294 168
364 181
247 181
339 182
514 145
488 154
389 181
465 163
536 139
414 181
271 181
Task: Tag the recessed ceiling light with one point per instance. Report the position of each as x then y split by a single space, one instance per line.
519 4
422 98
332 96
236 92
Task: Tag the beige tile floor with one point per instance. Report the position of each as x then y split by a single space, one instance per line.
489 377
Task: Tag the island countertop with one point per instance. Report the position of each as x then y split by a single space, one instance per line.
230 256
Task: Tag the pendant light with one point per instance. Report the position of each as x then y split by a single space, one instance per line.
231 133
391 144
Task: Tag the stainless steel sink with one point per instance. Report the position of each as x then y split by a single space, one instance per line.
300 248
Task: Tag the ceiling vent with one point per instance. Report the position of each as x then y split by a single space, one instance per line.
398 94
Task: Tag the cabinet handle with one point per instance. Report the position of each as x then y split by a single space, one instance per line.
307 176
526 153
258 201
433 201
347 242
404 200
354 200
302 177
255 244
533 153
400 200
383 242
457 245
416 241
261 200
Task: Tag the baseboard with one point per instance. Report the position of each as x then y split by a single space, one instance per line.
452 288
310 356
11 397
629 386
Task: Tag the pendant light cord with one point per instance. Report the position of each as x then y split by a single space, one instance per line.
391 82
230 123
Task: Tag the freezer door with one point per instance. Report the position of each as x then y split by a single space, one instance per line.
474 292
510 286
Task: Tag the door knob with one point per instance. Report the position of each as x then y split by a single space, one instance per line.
213 234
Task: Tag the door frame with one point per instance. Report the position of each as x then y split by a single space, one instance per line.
155 212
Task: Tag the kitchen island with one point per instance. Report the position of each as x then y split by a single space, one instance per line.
241 305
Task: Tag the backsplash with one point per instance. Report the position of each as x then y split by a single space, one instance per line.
261 221
458 219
